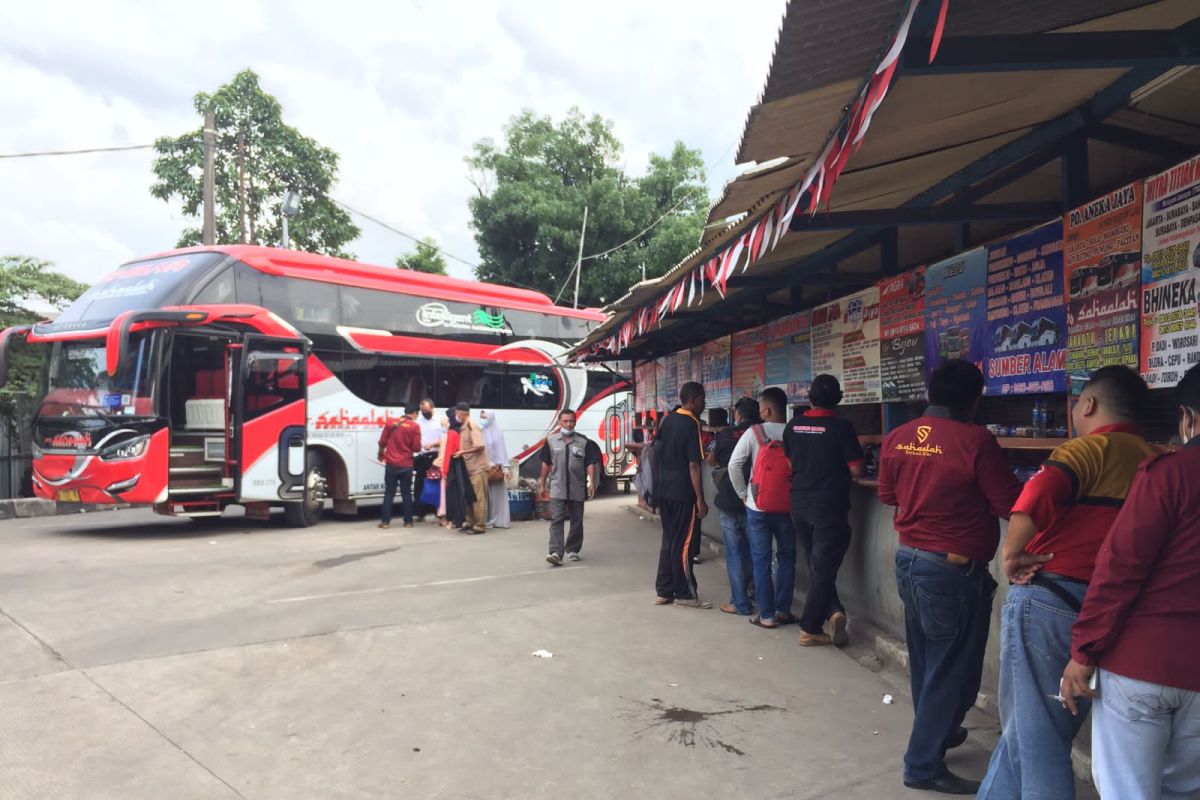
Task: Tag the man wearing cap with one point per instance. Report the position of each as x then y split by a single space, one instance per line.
950 482
824 451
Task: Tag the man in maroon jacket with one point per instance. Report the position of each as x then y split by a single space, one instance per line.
950 482
398 443
1140 624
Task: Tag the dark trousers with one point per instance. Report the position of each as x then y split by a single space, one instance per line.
947 613
560 512
676 579
391 477
825 536
421 465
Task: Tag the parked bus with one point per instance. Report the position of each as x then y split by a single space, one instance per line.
239 375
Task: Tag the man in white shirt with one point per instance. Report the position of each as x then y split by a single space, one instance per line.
764 527
431 439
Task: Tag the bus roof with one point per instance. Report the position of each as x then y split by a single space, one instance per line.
310 266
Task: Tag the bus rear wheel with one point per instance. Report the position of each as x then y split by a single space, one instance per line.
307 512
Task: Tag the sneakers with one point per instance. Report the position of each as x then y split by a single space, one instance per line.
573 557
553 560
663 601
814 639
837 629
384 525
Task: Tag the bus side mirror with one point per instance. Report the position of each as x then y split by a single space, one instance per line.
116 344
19 331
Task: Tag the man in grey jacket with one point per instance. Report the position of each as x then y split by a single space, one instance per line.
568 460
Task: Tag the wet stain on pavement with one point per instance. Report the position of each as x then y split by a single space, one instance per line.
688 727
346 559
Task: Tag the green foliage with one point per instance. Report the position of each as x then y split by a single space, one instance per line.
25 284
257 158
426 258
532 191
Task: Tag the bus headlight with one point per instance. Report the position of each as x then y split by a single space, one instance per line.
130 448
36 451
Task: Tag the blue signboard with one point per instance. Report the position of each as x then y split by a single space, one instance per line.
1026 314
956 310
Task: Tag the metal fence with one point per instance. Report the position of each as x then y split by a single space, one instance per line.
14 475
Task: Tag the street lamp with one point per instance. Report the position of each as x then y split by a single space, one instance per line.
288 208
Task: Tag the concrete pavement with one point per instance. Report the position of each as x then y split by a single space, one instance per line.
142 657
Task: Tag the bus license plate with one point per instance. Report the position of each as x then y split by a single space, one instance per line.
68 495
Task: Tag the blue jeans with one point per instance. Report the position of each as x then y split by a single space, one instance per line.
1145 740
1033 758
737 559
947 613
774 596
393 476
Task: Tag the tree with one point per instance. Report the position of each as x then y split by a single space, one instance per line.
257 158
26 283
426 258
532 192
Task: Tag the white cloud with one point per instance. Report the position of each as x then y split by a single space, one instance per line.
400 92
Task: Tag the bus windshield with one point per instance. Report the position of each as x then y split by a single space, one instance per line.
141 285
78 384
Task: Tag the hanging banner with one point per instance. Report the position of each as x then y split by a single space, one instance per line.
716 372
845 344
956 309
749 362
788 360
902 336
1026 313
1102 265
1170 268
645 387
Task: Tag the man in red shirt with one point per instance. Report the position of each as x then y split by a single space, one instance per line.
398 443
1061 519
949 481
1140 624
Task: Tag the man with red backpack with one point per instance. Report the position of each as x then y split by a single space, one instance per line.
824 453
768 510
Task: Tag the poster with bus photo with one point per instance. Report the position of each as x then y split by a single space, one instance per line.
1026 313
749 362
956 309
716 372
1170 267
902 336
1102 264
845 344
788 359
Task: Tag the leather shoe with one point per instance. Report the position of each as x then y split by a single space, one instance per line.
957 738
946 783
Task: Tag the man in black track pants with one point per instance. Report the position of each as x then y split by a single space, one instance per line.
679 494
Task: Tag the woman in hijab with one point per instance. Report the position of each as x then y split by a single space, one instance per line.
497 453
443 461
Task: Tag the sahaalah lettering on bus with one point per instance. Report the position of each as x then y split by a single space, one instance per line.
240 375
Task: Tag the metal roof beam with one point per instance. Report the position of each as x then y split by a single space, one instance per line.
928 215
1169 149
1057 51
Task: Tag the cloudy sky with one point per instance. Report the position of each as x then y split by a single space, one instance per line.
400 91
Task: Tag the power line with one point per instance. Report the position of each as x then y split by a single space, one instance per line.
77 152
647 229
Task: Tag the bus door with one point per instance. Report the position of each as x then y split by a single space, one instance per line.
271 418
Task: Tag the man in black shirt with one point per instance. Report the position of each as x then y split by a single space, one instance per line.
733 510
680 498
824 451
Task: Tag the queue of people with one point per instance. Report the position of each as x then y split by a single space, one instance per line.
1102 555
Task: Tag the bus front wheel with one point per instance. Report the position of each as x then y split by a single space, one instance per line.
307 513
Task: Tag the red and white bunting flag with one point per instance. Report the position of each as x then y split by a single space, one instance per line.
768 230
700 280
756 240
676 297
691 283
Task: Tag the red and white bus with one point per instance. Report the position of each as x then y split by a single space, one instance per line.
238 375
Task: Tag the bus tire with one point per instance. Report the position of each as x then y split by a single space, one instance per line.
307 513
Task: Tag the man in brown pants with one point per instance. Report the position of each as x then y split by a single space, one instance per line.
473 452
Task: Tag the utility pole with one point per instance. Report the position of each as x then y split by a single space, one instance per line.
241 188
579 260
209 230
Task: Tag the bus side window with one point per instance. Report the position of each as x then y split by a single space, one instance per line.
246 281
218 291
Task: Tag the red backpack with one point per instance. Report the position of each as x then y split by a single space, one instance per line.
771 477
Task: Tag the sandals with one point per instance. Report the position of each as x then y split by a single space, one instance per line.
785 619
663 601
759 622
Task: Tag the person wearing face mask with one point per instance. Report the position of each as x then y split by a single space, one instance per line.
432 434
1140 627
497 453
568 459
